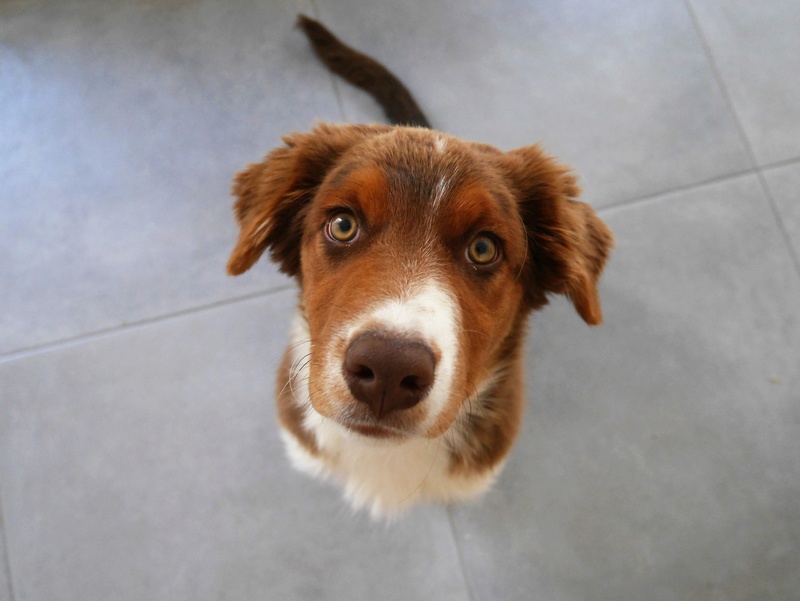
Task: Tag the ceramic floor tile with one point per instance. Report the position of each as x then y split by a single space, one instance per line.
784 183
5 581
660 456
123 124
147 465
756 48
621 90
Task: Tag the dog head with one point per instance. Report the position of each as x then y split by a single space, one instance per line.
418 257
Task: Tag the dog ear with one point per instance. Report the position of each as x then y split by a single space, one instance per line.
568 245
273 196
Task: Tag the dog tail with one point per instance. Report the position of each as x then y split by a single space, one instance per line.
365 73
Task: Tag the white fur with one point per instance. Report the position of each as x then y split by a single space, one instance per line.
386 476
440 190
429 314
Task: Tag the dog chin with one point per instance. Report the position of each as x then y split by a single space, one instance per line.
374 432
371 433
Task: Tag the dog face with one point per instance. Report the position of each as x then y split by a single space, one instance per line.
418 257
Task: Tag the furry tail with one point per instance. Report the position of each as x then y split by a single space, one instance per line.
363 72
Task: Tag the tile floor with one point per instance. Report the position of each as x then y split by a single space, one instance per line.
139 459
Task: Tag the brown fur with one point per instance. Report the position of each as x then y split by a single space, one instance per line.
389 176
551 244
365 73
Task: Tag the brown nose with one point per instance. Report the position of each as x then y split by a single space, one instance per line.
388 373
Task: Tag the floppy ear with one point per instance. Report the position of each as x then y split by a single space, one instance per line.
568 245
273 196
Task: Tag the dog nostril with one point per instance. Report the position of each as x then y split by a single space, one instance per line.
411 383
363 372
388 373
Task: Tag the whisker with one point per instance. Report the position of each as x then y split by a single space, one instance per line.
293 346
294 371
304 365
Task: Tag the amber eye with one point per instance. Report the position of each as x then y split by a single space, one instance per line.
343 227
482 250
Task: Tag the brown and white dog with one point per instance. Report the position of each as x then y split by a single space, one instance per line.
419 257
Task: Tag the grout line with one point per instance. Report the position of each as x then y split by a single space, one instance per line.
677 190
459 554
759 170
622 204
779 164
697 185
9 356
6 559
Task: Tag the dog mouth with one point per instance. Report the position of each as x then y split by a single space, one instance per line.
373 430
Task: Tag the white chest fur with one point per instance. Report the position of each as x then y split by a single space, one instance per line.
384 477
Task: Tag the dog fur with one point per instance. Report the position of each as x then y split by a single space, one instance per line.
424 206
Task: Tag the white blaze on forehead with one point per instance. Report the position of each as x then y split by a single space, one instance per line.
443 185
439 191
429 313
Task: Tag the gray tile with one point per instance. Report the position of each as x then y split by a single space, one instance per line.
123 124
147 465
621 90
784 184
660 455
5 579
756 48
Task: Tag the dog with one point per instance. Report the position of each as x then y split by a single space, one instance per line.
418 257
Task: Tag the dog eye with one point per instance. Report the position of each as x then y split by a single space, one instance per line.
343 227
482 250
